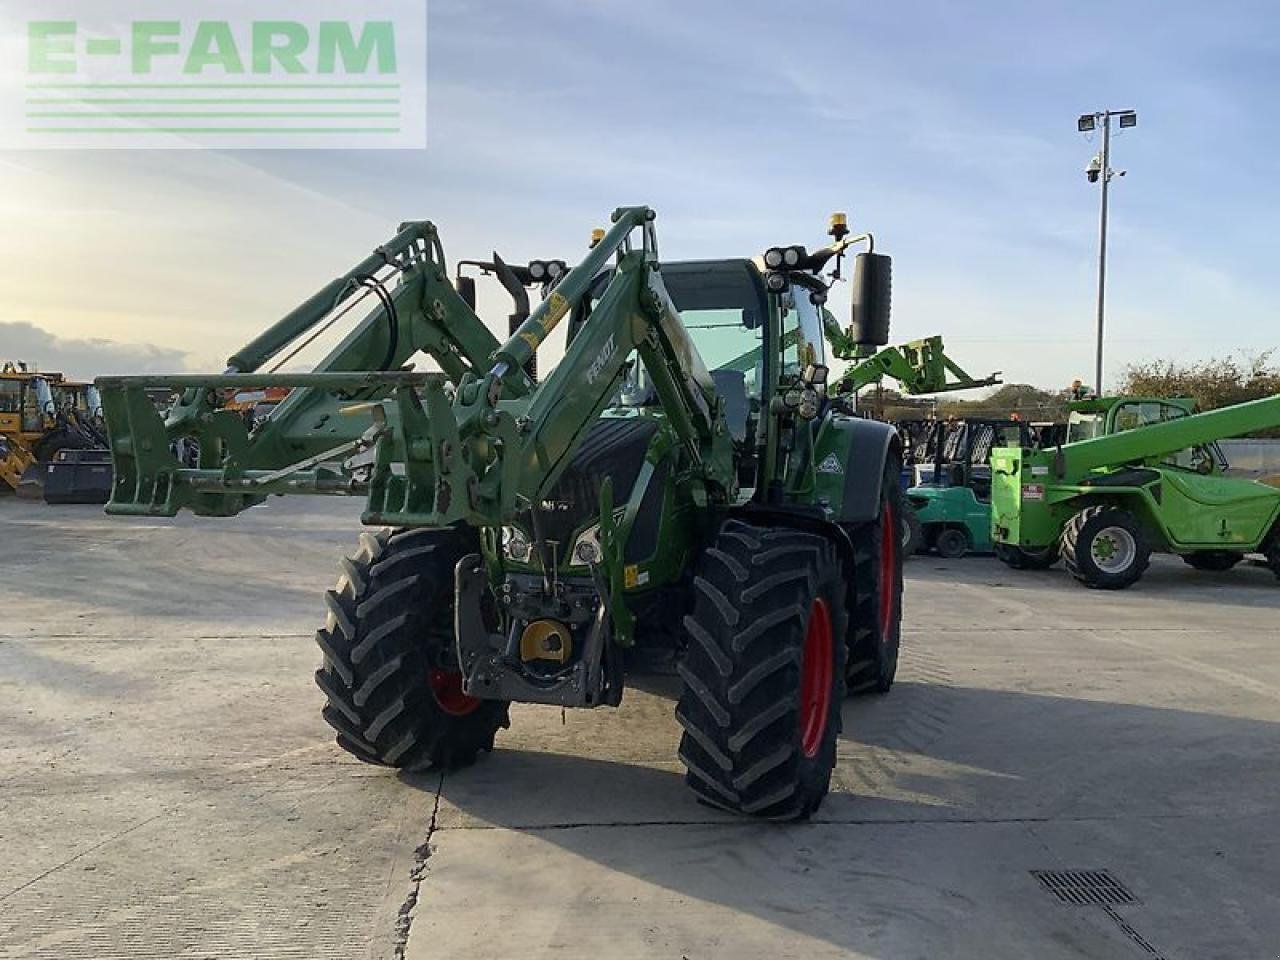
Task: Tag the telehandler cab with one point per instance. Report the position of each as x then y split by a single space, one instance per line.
676 489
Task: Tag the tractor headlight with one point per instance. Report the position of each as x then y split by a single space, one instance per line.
586 551
537 270
515 545
776 258
556 269
776 281
586 548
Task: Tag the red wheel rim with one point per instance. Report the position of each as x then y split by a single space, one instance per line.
815 678
446 686
888 568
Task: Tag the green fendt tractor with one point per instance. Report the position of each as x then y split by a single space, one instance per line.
675 490
1137 475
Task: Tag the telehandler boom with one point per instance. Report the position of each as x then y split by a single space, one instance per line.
676 491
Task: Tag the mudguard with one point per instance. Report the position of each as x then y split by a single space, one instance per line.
849 458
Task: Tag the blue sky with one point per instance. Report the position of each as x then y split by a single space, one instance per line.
946 129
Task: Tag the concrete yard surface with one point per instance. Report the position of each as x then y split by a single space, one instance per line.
167 788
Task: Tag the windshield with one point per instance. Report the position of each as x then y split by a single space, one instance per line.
1084 426
802 342
725 342
723 308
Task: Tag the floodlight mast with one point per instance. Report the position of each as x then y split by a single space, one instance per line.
1100 169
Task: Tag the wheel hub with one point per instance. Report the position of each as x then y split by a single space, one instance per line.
1113 550
815 678
446 687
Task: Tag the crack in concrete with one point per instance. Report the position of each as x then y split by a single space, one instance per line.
83 853
408 907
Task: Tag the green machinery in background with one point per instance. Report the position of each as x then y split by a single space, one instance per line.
951 503
1137 475
921 366
675 492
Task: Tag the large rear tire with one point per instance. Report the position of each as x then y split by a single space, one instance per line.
764 671
390 672
875 628
1105 549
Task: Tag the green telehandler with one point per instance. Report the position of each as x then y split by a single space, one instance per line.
676 493
1137 475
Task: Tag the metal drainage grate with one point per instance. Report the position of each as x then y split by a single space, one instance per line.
1085 887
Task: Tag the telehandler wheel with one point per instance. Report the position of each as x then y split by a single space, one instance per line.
764 671
1104 548
875 627
1020 558
1212 560
390 673
1273 555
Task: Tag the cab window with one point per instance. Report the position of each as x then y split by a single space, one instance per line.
10 396
802 340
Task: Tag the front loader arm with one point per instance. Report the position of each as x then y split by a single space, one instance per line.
472 443
417 310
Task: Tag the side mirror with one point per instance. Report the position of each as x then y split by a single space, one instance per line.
466 287
872 290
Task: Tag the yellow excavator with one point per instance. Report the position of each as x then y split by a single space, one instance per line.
51 438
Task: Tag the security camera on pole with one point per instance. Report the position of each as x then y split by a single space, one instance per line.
1099 169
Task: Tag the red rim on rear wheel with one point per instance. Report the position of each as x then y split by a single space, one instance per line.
815 678
888 568
446 686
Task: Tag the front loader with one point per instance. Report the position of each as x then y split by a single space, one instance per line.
676 493
1139 475
48 424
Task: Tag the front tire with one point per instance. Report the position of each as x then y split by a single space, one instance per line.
912 532
1105 549
875 630
764 671
390 673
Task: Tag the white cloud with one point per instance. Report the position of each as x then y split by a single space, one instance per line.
83 359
